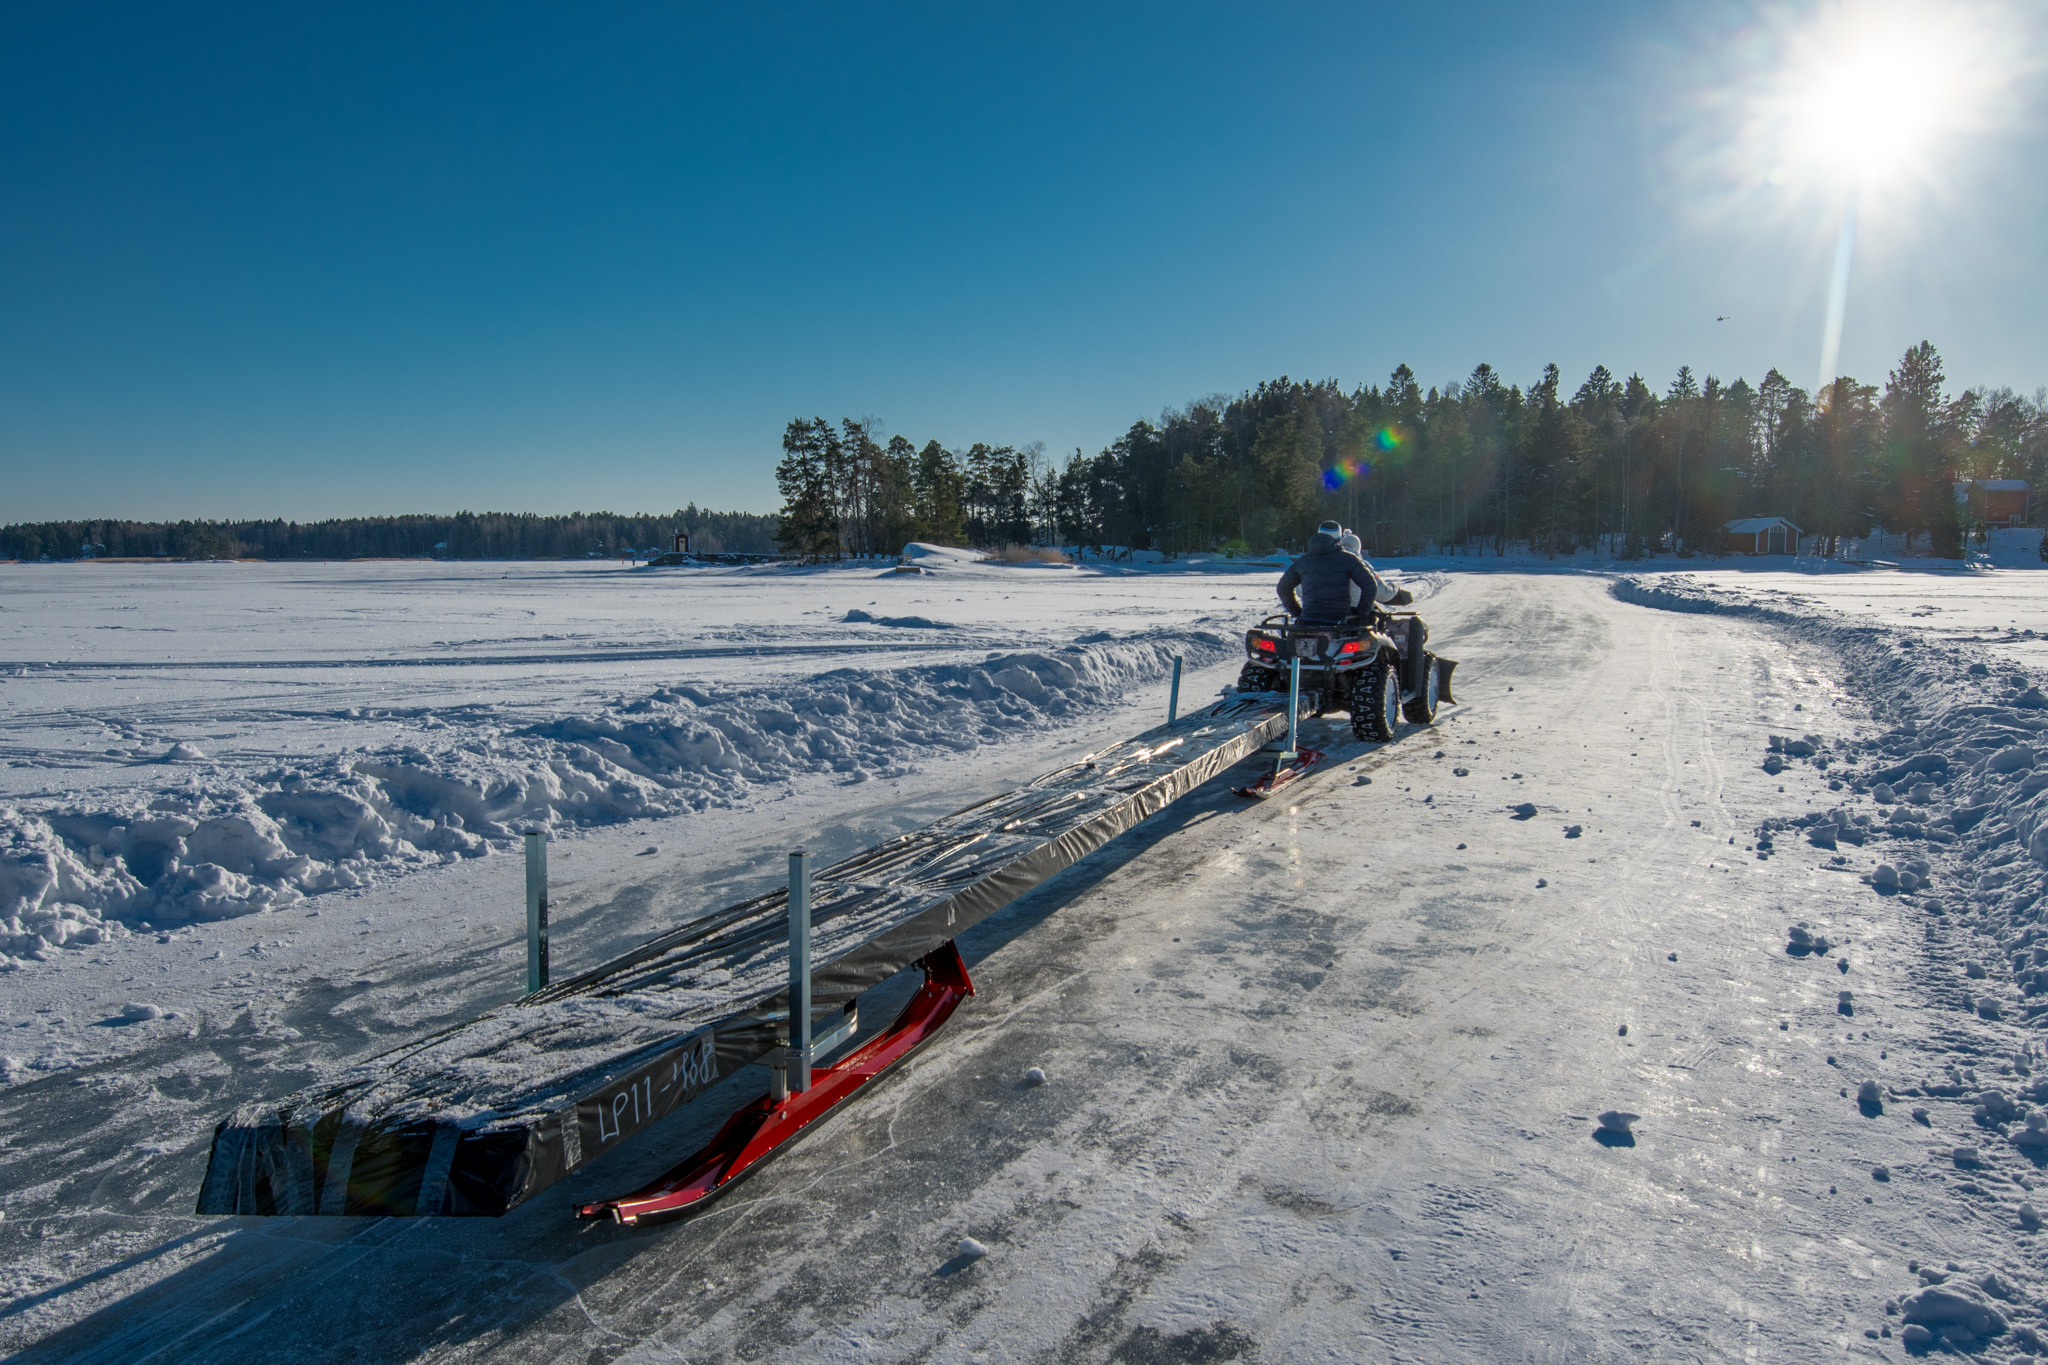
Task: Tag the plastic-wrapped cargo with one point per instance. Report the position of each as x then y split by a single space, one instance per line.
481 1117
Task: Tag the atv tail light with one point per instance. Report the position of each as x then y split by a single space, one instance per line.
1351 647
1264 646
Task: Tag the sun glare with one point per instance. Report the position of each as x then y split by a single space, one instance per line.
1870 93
1885 111
1876 107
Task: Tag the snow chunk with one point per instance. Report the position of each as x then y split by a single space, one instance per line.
1943 1305
136 1012
2010 760
900 622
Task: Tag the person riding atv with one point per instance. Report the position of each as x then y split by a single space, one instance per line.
1327 574
1349 657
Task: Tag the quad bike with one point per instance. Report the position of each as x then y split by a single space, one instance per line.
1376 666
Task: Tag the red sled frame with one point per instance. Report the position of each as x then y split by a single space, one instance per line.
767 1126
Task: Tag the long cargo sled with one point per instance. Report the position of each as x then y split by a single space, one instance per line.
479 1118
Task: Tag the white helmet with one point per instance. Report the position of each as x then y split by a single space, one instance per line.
1350 541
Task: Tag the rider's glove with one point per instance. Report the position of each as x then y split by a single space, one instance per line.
1401 598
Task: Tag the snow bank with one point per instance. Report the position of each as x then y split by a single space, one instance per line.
1959 781
228 843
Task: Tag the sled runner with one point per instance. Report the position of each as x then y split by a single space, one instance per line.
770 1126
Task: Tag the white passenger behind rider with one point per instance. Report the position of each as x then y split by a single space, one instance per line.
1387 593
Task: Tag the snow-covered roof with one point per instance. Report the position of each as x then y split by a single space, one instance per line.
1747 526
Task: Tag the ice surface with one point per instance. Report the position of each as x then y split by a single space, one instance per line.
1324 1073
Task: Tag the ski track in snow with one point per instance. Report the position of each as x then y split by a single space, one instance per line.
1321 1073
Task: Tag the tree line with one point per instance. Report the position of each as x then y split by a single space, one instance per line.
845 491
1473 465
465 535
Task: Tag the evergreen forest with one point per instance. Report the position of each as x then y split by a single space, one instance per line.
1471 466
466 535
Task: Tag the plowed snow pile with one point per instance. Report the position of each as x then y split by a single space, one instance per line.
1950 804
668 711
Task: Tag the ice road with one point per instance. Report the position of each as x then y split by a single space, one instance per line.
1322 1073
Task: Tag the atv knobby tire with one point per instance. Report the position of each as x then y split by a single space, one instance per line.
1376 702
1421 710
1256 679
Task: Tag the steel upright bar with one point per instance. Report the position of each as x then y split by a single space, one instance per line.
536 911
1173 697
1293 705
799 972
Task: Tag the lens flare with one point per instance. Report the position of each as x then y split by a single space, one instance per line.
1344 471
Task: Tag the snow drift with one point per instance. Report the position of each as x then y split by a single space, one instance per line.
1960 780
226 842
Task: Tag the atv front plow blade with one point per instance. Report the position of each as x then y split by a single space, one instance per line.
767 1126
1444 668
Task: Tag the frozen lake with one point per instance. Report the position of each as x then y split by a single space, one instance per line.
1323 1071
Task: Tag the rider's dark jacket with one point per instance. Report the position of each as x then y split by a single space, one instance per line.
1325 575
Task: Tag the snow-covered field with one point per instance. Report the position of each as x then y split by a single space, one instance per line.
1324 1072
195 743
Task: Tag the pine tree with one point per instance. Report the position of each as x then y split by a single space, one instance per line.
940 488
1919 449
810 457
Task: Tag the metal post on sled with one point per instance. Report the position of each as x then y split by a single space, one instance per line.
536 910
1293 712
798 1059
1173 697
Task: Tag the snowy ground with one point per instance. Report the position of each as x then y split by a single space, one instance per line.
189 744
1323 1072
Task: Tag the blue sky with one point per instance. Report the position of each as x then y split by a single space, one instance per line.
309 261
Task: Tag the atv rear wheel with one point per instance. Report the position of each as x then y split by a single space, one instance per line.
1422 709
1253 678
1376 702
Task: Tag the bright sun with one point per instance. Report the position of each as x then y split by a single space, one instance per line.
1871 90
1871 108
